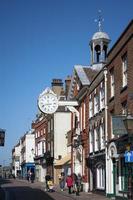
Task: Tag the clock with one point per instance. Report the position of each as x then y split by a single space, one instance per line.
48 101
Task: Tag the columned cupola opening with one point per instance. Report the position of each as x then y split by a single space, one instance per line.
99 45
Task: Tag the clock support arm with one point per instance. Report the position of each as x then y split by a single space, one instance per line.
70 105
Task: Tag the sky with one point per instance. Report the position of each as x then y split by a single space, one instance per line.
41 40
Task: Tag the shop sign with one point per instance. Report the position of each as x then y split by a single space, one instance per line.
128 157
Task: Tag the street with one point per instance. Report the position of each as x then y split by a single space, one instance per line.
22 190
17 190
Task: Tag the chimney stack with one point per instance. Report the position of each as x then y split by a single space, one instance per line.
57 86
67 84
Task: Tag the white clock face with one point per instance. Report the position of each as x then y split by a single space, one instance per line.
48 103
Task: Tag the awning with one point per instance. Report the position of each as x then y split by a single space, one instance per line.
64 160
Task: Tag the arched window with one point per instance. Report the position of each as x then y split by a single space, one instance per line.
97 53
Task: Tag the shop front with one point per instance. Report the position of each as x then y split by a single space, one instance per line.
119 159
96 164
27 167
62 165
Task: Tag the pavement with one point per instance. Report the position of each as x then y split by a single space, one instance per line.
63 195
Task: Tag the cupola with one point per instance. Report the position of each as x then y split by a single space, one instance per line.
99 46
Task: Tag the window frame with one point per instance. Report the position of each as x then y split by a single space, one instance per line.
90 107
100 171
102 137
102 96
112 83
96 139
91 140
124 70
96 103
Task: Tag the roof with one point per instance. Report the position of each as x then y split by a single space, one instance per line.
122 35
100 35
90 73
85 75
64 160
81 74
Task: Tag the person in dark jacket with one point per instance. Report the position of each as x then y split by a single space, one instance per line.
62 181
74 176
47 178
78 183
32 177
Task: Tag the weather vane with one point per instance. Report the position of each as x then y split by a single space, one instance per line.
99 20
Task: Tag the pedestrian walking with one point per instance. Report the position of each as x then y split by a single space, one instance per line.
32 177
62 181
69 182
78 184
28 175
50 185
47 178
74 177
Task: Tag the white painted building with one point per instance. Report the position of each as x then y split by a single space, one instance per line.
16 167
27 152
62 124
40 128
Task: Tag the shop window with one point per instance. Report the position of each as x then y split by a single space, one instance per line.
100 177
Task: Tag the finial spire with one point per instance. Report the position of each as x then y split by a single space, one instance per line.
99 20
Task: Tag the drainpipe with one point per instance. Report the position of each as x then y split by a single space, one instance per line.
106 125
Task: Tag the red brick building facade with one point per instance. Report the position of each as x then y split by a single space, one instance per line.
120 105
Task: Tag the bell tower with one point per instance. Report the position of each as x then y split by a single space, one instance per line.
99 45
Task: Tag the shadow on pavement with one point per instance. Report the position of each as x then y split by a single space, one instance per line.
25 193
4 181
2 193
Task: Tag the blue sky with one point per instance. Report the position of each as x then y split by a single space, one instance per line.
41 40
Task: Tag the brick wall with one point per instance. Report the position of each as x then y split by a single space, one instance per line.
122 46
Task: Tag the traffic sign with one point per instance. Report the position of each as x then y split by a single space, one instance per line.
128 156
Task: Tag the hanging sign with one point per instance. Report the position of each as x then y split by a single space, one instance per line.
128 157
118 125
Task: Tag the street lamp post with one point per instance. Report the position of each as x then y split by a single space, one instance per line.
128 121
2 137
